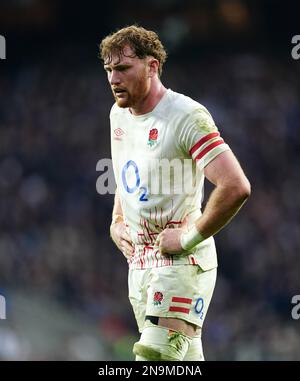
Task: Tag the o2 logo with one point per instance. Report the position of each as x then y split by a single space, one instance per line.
199 307
143 190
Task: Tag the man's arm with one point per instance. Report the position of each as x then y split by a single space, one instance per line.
118 230
117 209
232 189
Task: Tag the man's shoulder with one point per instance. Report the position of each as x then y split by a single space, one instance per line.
185 104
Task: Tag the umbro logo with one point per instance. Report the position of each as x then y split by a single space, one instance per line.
118 132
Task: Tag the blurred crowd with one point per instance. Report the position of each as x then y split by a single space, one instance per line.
54 237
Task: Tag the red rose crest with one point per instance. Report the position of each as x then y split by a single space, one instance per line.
153 135
158 298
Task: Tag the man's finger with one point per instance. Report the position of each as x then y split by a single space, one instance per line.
161 247
126 246
157 241
125 236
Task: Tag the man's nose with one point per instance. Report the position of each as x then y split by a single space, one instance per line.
114 78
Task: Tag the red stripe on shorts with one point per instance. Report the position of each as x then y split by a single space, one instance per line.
179 309
181 300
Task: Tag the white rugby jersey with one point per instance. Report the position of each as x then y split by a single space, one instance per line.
158 161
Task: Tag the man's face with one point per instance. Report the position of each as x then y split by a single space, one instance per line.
128 78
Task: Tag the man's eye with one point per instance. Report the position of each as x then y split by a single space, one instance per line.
123 68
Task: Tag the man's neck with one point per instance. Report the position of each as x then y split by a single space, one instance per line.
148 104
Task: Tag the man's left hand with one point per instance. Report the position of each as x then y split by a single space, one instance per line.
168 241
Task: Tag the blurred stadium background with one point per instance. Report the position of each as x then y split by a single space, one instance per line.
65 283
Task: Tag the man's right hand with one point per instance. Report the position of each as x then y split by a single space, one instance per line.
122 239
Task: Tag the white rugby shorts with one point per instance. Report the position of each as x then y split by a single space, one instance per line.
181 291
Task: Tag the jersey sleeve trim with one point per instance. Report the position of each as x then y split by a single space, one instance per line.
205 145
202 141
209 148
212 154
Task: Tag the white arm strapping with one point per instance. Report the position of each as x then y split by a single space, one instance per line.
191 238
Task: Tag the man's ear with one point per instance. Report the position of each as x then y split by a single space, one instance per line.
153 67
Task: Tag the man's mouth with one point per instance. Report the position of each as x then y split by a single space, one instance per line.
119 92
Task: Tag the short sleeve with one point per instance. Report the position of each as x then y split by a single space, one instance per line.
200 138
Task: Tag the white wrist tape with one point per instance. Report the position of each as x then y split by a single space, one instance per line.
191 238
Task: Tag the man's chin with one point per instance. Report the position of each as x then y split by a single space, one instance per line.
123 103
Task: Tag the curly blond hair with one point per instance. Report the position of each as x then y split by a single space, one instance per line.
142 41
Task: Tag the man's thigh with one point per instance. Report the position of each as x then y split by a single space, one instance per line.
138 281
182 292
